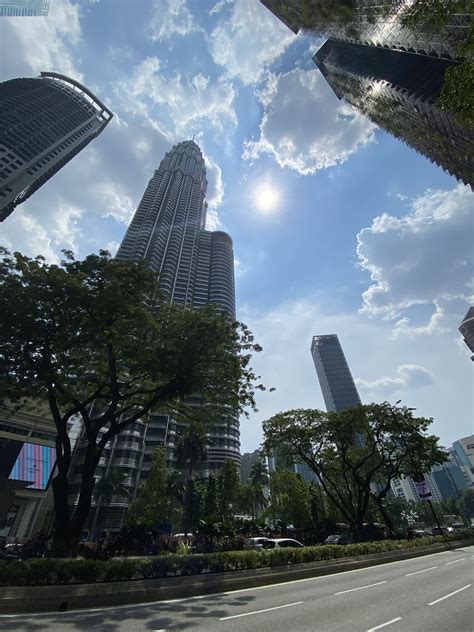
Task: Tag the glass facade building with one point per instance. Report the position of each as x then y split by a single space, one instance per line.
387 59
24 8
195 267
44 122
337 385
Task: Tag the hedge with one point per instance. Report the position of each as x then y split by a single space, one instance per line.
37 572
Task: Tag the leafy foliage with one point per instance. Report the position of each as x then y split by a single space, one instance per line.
351 450
97 340
43 572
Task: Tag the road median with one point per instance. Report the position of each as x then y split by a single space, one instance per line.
34 599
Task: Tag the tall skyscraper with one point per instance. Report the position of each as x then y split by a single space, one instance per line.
335 378
467 329
24 8
388 59
397 90
44 122
195 267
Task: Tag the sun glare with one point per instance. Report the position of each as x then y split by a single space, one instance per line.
266 197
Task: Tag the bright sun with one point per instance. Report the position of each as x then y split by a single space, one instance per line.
266 197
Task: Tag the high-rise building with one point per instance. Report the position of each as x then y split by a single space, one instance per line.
388 59
195 267
337 385
44 122
397 90
247 461
24 8
462 453
467 329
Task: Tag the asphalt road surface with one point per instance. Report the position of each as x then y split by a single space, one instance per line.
426 594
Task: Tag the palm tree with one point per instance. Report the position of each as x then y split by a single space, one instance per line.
259 479
191 450
111 484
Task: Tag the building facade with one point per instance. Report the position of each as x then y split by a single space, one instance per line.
24 8
387 58
247 461
462 453
398 90
44 122
195 268
335 378
467 330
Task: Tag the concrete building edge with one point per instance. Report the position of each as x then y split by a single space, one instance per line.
18 600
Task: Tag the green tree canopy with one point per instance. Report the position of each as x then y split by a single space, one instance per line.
356 453
153 504
97 340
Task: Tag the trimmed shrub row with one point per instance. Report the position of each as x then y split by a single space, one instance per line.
38 572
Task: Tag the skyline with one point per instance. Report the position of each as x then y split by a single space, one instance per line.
337 227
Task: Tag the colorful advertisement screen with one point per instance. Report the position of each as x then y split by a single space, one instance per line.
33 463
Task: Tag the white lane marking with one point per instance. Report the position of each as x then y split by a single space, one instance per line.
342 592
219 594
377 627
454 561
423 571
432 603
247 614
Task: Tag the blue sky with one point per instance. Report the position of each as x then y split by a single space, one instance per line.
365 238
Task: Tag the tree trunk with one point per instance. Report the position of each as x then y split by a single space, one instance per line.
81 512
386 518
61 545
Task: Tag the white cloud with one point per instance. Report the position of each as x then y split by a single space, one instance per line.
441 388
171 17
422 258
39 234
304 126
50 43
188 103
251 40
217 8
408 376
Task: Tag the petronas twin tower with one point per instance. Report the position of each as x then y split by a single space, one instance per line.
195 267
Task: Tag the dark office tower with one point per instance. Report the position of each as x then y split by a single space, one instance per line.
337 385
24 8
467 329
44 122
397 24
388 59
398 91
195 267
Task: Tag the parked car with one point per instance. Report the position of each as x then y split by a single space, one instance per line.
254 544
337 538
282 543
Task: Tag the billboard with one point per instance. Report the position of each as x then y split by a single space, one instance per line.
27 462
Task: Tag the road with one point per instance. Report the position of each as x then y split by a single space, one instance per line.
426 594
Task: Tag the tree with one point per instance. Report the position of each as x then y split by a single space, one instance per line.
153 505
357 453
259 479
191 450
228 484
97 340
290 502
211 504
112 483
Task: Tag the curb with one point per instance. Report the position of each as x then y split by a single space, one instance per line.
36 599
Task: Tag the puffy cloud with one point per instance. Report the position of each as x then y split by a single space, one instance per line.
249 41
171 17
186 103
422 258
46 235
408 376
56 39
304 126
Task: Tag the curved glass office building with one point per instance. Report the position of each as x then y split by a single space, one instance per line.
44 122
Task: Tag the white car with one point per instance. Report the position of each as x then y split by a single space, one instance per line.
282 543
255 544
